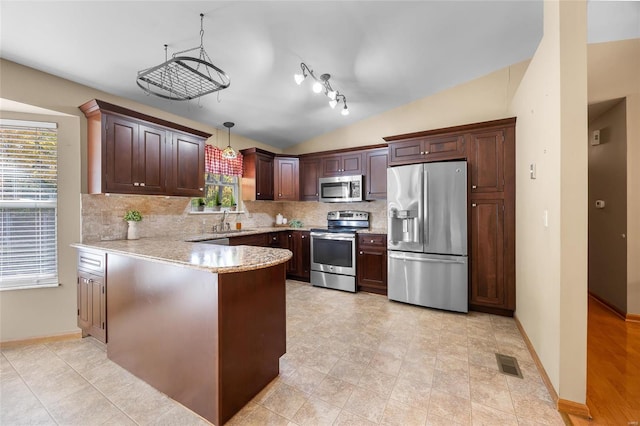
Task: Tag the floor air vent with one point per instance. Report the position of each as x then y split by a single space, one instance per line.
508 365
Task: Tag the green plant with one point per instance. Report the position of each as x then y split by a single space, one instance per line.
133 215
216 199
201 202
232 201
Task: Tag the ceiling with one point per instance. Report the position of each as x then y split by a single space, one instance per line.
380 54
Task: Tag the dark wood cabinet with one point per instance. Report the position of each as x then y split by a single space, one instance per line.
371 263
375 185
310 170
187 165
286 179
487 248
299 266
133 153
486 161
259 240
342 164
417 149
91 294
258 174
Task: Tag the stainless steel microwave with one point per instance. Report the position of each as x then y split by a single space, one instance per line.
341 189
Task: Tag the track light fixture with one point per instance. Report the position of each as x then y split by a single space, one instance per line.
322 85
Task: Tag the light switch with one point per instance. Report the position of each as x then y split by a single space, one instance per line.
600 204
532 170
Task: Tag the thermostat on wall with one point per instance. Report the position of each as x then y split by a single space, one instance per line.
595 137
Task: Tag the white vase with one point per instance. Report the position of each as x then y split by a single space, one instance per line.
132 231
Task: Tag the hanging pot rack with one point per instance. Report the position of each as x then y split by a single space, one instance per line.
184 78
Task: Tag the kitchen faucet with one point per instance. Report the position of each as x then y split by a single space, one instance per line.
222 225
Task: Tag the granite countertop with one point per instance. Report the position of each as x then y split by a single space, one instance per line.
214 258
241 232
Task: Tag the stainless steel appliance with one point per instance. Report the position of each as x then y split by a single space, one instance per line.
333 250
427 235
341 189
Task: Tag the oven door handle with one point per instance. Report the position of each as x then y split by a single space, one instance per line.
333 236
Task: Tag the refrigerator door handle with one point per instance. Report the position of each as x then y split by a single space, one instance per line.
425 202
424 259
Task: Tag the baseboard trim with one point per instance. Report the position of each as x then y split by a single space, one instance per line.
632 317
564 406
42 339
574 408
609 306
536 360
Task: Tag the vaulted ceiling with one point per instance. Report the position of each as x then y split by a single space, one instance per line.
380 54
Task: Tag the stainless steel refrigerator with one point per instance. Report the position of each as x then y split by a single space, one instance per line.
427 235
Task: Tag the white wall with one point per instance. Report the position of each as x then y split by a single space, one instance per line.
551 262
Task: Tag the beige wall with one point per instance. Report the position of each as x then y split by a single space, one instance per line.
51 311
608 182
551 259
485 98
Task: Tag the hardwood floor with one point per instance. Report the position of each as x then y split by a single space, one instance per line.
613 368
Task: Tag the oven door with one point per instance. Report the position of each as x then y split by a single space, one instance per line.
333 252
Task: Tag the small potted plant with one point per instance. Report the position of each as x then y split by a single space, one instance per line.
132 217
232 201
199 203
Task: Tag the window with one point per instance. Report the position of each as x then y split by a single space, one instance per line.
221 179
28 204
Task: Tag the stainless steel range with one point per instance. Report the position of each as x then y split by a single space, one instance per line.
333 250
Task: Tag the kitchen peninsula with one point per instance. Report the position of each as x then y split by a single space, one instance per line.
205 324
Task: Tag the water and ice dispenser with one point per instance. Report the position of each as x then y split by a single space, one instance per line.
404 226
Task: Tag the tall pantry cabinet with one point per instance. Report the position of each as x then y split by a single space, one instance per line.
489 148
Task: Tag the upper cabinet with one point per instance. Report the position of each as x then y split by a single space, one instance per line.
342 164
310 172
375 175
257 176
486 160
133 153
417 148
286 179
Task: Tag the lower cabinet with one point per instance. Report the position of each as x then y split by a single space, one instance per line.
371 263
259 240
299 266
490 289
92 295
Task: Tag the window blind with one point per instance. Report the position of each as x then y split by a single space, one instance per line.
28 204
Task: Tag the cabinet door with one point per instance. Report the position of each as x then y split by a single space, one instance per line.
406 152
264 177
286 179
92 313
151 160
487 253
289 242
487 161
309 175
187 165
371 263
304 250
438 148
352 164
121 157
376 174
258 240
331 165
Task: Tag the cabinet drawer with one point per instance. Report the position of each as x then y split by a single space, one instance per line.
91 261
372 240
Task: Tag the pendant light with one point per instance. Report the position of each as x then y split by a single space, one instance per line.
229 153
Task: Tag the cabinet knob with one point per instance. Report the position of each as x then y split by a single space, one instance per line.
141 183
257 193
474 186
201 189
473 205
279 195
274 238
372 241
421 152
303 237
136 184
361 253
289 235
426 152
316 194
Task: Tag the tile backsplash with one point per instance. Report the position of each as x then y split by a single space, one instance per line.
102 215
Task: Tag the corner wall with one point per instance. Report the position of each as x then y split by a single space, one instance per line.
551 211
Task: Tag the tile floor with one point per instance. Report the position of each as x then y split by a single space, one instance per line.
352 359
